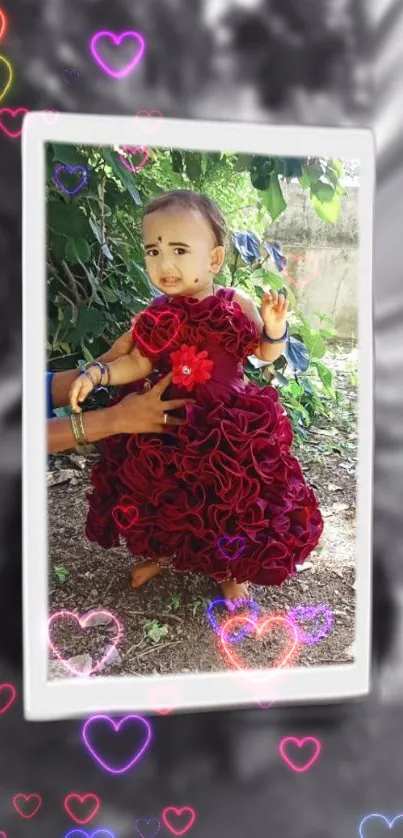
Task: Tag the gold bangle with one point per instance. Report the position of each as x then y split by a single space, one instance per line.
76 429
84 440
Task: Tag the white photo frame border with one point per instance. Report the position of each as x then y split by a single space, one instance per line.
78 697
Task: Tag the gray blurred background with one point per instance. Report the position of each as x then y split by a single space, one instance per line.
329 62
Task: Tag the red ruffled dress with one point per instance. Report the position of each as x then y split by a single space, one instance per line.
222 494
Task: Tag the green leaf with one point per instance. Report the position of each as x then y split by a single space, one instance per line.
67 154
318 346
125 177
328 211
325 374
77 250
67 220
322 191
87 354
242 163
204 162
337 165
269 278
193 165
177 162
273 198
90 322
261 169
96 229
109 295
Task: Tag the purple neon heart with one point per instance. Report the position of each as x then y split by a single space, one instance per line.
147 821
390 823
116 726
232 606
229 539
70 170
302 612
117 39
100 832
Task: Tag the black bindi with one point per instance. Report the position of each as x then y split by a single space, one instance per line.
159 239
196 280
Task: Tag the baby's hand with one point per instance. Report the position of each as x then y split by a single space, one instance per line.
81 387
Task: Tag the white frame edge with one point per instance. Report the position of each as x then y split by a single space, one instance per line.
45 700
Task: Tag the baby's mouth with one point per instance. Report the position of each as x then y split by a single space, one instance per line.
170 281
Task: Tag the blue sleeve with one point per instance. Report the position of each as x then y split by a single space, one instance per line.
49 405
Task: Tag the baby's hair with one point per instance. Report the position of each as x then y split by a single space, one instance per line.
192 200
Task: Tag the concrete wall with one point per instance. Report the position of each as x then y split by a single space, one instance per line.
322 261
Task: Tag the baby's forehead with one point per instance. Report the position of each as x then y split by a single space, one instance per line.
186 220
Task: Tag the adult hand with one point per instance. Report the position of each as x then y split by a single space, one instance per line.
144 414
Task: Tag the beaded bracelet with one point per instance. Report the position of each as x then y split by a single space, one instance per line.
104 370
275 340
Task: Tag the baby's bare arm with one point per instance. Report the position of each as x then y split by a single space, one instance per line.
128 368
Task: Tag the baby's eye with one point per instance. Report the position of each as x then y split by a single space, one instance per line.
152 252
180 251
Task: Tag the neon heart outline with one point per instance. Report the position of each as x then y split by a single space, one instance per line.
297 259
156 318
125 509
10 74
81 798
383 817
70 169
116 727
300 743
300 611
178 812
147 821
232 606
13 112
27 797
134 149
231 539
117 74
259 627
12 698
2 834
82 622
3 29
87 835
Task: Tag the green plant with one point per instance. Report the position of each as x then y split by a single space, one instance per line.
175 602
155 630
200 603
61 573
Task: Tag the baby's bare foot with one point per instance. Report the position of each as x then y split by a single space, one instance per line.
233 591
142 573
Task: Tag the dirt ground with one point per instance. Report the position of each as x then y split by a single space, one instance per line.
165 625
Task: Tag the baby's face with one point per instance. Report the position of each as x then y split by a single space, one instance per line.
180 248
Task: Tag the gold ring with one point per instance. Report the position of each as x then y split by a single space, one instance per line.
165 418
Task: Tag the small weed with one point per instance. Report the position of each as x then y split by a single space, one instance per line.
155 631
61 573
200 603
175 602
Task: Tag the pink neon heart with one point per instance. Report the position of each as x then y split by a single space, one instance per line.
125 516
156 318
228 541
134 150
3 834
13 693
13 112
116 726
26 798
60 615
81 799
300 744
178 812
117 39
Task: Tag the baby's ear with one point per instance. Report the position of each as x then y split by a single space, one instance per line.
217 258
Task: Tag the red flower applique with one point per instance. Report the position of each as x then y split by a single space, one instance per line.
190 367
